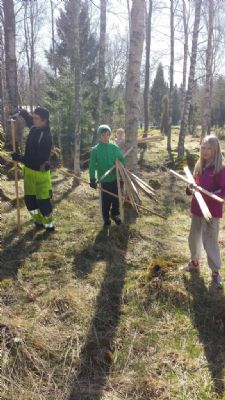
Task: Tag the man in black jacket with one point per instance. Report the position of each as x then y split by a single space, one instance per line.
37 179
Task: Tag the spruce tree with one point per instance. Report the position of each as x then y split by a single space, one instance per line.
158 90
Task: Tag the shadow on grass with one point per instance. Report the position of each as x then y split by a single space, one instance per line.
65 194
96 354
15 252
208 315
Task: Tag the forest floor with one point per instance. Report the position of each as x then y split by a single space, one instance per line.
89 314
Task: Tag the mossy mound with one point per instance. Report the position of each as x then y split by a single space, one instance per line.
159 267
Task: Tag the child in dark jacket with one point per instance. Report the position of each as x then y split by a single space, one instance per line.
209 173
103 157
37 178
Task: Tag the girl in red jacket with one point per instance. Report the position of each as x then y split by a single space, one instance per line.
209 173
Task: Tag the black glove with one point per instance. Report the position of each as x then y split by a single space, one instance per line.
45 166
23 113
16 157
15 115
93 183
189 191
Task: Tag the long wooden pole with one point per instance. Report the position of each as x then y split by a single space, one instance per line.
119 191
196 187
16 175
202 204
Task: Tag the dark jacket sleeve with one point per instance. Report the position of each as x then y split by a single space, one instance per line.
27 117
44 148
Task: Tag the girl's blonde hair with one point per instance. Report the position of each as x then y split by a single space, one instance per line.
217 160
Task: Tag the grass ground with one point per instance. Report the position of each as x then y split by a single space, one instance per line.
90 315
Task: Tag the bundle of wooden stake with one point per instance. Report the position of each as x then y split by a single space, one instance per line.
132 185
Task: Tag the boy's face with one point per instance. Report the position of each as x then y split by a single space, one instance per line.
104 137
38 121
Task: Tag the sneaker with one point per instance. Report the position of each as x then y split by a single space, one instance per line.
192 266
216 280
117 220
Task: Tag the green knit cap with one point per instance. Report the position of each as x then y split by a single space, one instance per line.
101 129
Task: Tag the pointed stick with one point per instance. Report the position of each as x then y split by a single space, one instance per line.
130 183
198 196
150 139
119 191
143 185
113 194
146 191
129 189
197 187
16 175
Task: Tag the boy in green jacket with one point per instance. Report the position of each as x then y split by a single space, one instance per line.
103 157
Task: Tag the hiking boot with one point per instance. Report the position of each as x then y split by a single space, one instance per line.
38 225
117 220
50 229
107 222
192 266
216 280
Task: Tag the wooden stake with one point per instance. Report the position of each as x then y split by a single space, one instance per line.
142 183
16 175
130 192
150 139
113 194
202 204
196 187
119 191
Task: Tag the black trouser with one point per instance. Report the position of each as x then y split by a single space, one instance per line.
32 203
108 201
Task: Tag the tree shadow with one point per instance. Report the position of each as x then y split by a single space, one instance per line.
57 199
97 353
208 317
13 254
143 149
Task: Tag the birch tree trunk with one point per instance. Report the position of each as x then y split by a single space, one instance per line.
188 97
53 37
30 15
133 80
2 85
101 66
77 133
147 68
10 55
186 15
206 121
171 73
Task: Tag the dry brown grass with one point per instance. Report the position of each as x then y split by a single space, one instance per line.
88 314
